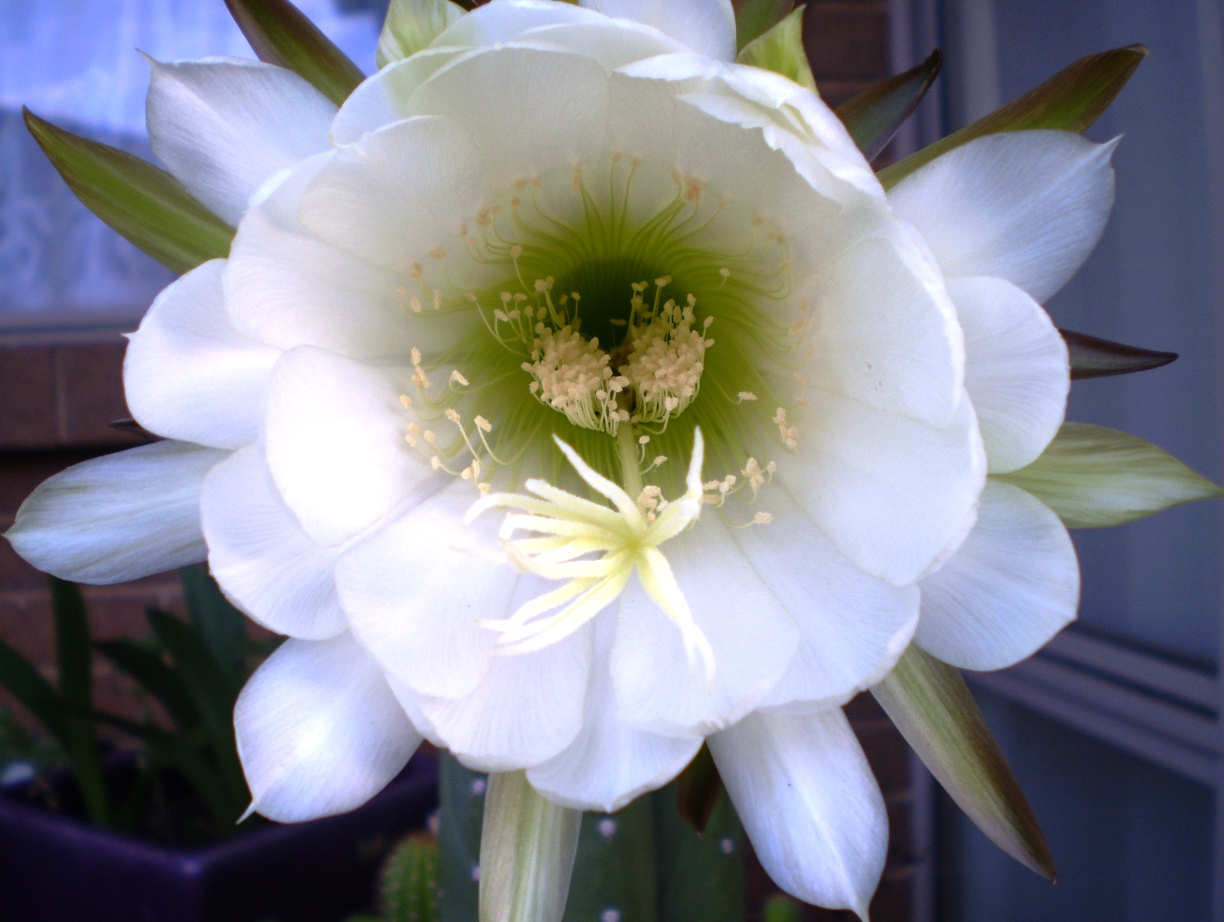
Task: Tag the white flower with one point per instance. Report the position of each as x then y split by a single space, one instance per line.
557 223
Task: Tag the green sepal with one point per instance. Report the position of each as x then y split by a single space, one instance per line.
527 849
874 115
412 25
1092 357
144 203
643 860
698 788
279 33
935 712
753 18
1071 100
780 49
1093 477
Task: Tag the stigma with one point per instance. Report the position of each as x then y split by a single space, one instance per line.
593 550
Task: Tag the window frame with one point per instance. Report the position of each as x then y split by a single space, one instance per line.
1138 700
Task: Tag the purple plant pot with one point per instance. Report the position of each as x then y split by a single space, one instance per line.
55 868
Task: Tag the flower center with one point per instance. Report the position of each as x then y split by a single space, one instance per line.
598 303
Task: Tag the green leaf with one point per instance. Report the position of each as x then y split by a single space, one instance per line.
38 696
698 788
1071 100
219 624
209 687
1093 477
1098 358
412 25
143 203
177 751
151 673
527 848
874 115
934 710
753 18
280 34
780 49
72 653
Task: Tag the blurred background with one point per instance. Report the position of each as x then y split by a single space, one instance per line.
1113 731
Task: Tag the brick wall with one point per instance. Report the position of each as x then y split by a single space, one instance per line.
58 393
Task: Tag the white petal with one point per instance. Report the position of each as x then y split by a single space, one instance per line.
757 98
412 25
335 442
382 99
612 44
319 731
397 194
1012 586
416 589
890 492
267 565
1016 369
705 26
1027 206
189 374
809 803
565 121
287 287
852 627
528 708
884 332
655 688
497 23
223 127
119 517
610 762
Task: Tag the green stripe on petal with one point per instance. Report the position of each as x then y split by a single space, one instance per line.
527 848
1071 100
1093 477
935 712
143 203
279 33
874 115
412 25
780 49
754 18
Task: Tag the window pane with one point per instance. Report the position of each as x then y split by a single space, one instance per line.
74 62
1149 283
1131 842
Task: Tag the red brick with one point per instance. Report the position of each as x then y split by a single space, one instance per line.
887 753
846 41
21 472
89 389
27 397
